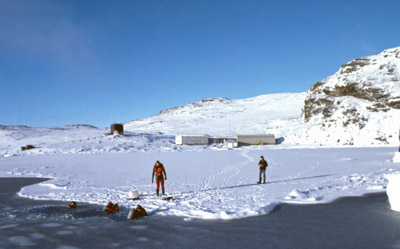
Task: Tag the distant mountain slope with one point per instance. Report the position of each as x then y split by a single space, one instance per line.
359 104
271 113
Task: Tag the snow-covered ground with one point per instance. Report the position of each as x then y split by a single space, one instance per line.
206 182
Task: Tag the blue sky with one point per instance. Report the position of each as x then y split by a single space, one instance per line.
99 62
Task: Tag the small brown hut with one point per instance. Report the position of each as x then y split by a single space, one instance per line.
117 129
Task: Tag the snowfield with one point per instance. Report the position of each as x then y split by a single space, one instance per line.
207 182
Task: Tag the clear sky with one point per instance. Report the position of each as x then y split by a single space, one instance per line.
99 62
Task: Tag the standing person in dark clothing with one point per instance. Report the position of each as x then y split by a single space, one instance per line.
263 166
160 173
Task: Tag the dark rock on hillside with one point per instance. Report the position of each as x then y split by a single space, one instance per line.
375 79
359 104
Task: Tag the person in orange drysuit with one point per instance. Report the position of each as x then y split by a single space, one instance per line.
159 172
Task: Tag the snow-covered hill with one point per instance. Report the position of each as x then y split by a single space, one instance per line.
270 113
359 104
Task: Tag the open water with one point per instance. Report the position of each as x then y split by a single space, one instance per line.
357 222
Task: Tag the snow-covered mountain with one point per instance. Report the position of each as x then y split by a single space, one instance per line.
359 104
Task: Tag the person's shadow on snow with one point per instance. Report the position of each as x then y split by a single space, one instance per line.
267 183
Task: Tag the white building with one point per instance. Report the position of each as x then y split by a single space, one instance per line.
256 139
231 143
191 139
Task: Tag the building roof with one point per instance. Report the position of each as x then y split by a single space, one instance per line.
256 135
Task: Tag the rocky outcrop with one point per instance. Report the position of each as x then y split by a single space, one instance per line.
361 90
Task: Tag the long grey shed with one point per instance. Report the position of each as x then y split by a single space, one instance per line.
261 139
191 139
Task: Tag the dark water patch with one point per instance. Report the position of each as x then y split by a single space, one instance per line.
359 222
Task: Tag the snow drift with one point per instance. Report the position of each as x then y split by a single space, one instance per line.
393 191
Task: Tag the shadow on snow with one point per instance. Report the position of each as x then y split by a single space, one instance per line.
267 183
